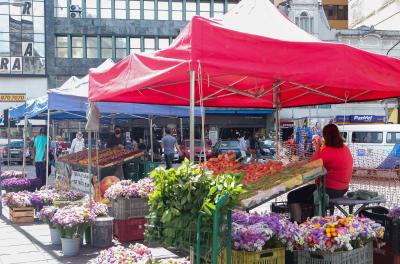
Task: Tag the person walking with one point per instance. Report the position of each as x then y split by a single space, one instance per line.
116 139
169 144
78 143
39 156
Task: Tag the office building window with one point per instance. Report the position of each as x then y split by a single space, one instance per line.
38 8
163 43
336 12
120 9
91 47
105 11
218 8
134 44
76 43
305 22
60 8
134 9
106 47
177 10
149 44
148 9
120 48
62 46
190 9
163 10
91 8
205 8
231 4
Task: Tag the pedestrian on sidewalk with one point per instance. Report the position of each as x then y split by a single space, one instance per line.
39 156
78 143
169 144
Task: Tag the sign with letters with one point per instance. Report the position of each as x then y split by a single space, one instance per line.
360 119
8 97
80 181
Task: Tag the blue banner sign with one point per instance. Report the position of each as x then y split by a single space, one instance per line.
360 119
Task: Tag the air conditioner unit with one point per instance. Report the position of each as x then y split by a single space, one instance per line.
75 14
75 8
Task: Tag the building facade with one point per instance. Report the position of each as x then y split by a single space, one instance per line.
380 14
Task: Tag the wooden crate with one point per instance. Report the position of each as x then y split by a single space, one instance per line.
22 215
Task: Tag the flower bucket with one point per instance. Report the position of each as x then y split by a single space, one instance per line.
55 236
102 232
70 246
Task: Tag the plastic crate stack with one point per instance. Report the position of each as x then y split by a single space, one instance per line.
390 251
129 219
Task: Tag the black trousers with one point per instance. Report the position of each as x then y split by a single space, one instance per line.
169 158
40 167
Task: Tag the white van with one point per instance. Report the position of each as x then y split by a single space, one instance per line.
373 146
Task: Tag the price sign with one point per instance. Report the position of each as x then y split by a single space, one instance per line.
80 181
5 97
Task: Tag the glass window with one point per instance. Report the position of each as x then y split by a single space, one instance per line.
106 47
91 8
120 48
177 10
232 4
4 22
38 24
393 137
190 9
367 137
4 48
60 7
134 9
38 8
205 8
218 8
163 10
163 43
149 44
39 50
120 9
91 47
134 44
77 51
344 135
105 8
62 46
305 22
148 9
4 8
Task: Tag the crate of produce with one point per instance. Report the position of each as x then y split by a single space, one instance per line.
22 215
130 208
363 255
267 256
129 229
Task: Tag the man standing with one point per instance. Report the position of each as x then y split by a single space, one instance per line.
78 143
39 156
169 144
116 139
243 146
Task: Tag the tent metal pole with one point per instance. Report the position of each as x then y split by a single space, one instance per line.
9 140
181 126
151 139
47 145
277 106
192 83
24 152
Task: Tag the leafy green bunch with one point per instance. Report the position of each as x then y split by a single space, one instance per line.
180 196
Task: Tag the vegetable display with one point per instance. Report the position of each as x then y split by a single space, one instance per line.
105 156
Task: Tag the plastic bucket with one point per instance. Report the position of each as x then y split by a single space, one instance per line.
55 236
70 246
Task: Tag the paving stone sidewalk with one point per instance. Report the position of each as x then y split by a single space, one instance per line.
31 243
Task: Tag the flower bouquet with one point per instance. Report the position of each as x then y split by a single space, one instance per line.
255 235
129 198
65 198
333 238
43 197
15 184
72 221
97 208
18 199
137 253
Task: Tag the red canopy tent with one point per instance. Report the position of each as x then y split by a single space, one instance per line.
254 57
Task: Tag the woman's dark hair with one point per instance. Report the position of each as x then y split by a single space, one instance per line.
332 136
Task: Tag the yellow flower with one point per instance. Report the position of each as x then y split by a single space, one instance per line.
318 225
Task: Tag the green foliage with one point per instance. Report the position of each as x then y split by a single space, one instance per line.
179 198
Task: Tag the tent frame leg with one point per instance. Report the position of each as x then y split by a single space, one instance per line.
192 91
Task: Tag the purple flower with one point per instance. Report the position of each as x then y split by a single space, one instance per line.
17 184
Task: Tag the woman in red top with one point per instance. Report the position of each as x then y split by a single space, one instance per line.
337 161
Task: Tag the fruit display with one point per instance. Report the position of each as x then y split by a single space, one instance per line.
254 171
223 163
105 156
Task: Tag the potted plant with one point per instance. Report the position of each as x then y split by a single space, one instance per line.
333 239
20 206
72 221
46 214
15 184
136 253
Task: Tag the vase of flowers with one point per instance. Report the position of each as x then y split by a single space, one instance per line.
72 221
46 214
